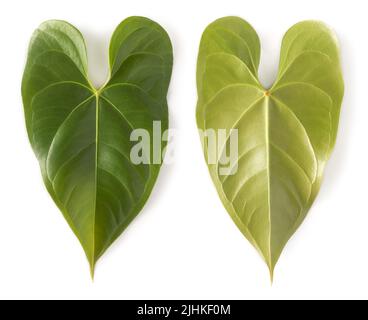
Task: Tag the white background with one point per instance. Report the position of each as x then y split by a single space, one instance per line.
183 245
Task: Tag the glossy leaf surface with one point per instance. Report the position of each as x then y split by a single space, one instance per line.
81 136
285 134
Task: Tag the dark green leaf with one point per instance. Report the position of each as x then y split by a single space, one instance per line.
81 136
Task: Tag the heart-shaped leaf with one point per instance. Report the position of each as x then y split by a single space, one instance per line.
285 134
81 136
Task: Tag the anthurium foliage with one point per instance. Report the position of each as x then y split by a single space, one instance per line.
81 135
286 133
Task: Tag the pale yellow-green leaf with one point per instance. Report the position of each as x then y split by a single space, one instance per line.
286 134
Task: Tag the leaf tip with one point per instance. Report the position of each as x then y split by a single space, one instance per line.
271 276
92 272
92 265
271 268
